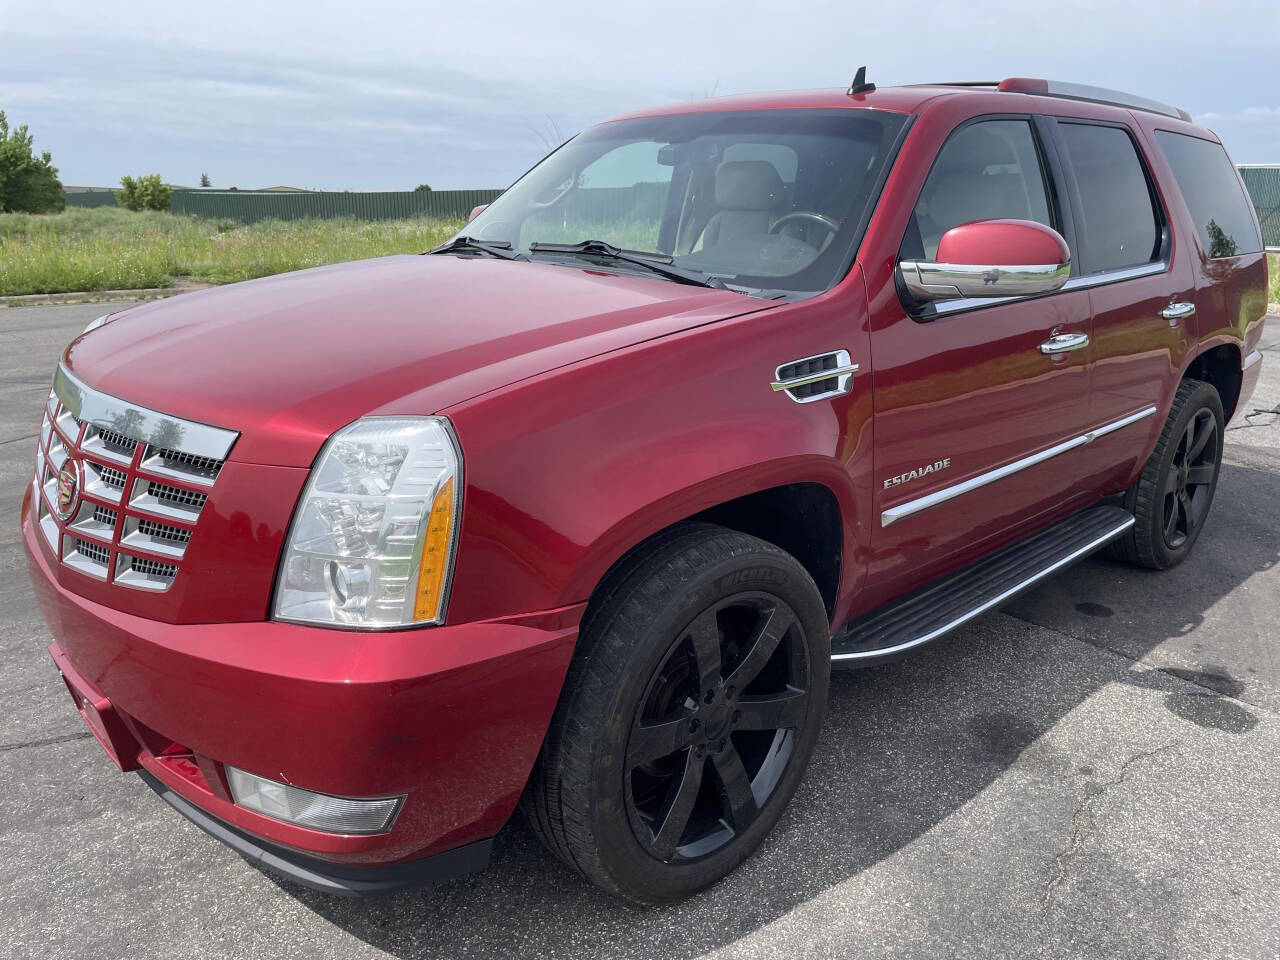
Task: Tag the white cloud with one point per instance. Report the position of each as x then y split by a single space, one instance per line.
385 95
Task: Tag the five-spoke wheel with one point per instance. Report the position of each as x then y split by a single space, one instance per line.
691 708
1171 498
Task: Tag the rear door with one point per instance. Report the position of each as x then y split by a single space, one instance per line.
971 417
1141 296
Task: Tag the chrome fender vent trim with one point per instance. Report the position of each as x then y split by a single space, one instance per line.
816 378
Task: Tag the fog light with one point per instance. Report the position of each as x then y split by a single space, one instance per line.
317 811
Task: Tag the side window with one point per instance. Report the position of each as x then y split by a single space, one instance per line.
1120 227
1213 193
987 170
628 181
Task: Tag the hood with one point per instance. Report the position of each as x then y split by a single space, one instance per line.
289 359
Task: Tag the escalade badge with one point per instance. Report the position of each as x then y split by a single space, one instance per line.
68 489
918 472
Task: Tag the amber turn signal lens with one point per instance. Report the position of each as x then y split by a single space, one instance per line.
436 546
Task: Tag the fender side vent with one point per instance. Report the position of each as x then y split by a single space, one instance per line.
816 378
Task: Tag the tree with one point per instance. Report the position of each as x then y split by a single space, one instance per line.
28 184
1220 243
422 188
205 181
145 193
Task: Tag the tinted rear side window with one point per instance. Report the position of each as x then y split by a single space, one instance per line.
1213 193
1119 226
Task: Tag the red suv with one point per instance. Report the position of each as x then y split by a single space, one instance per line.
583 506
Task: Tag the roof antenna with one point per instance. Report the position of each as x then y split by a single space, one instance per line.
860 84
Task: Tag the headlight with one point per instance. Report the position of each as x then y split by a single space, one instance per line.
372 540
95 324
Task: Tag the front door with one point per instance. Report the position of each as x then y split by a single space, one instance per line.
975 426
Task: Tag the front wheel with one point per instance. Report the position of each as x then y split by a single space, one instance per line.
688 716
1171 499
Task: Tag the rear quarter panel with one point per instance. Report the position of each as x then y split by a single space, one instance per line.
567 471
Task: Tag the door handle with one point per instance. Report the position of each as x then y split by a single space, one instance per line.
1064 343
1178 311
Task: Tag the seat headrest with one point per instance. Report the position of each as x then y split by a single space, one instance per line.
748 185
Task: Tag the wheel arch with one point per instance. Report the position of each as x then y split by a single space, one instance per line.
1219 365
806 509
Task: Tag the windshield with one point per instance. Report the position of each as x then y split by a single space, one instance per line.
765 200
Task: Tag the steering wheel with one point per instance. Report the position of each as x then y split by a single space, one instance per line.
826 223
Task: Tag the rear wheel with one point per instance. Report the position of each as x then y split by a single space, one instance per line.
688 716
1171 499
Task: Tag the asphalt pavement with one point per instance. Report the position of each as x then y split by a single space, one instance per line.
1090 772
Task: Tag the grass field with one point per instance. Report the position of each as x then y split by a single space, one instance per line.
114 249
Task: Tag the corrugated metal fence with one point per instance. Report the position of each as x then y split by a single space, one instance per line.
249 206
1263 183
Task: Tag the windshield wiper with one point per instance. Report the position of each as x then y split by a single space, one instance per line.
494 248
656 264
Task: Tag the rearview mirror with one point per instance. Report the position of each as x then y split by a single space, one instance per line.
990 258
477 210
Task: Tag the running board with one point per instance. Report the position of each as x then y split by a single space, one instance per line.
943 606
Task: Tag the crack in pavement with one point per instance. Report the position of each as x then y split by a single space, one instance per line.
1256 412
46 742
1104 647
34 435
1082 822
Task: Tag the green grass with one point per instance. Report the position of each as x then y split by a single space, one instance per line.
114 249
1273 277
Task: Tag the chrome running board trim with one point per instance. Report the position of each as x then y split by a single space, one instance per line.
904 510
1095 543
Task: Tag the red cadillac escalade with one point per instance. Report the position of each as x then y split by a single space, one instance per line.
579 510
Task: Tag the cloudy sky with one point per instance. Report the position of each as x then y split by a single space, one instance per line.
383 96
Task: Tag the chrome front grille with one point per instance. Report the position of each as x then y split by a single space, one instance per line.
141 482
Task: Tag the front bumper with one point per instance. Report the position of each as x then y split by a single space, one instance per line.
319 874
450 717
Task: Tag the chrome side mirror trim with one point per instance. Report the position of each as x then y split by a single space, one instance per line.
936 282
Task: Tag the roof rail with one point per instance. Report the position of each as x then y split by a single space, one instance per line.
1080 91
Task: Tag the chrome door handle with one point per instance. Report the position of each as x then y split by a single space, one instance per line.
1064 343
1178 311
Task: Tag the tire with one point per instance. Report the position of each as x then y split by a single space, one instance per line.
1172 496
697 646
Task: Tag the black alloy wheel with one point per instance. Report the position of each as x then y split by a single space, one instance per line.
716 726
1170 500
691 707
1189 486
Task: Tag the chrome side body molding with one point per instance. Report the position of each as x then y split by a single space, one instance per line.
1075 283
904 510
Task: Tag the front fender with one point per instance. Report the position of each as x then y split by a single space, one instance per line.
567 471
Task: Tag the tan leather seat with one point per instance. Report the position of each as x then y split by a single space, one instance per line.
747 194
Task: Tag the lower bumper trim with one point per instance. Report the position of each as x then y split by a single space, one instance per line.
321 875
